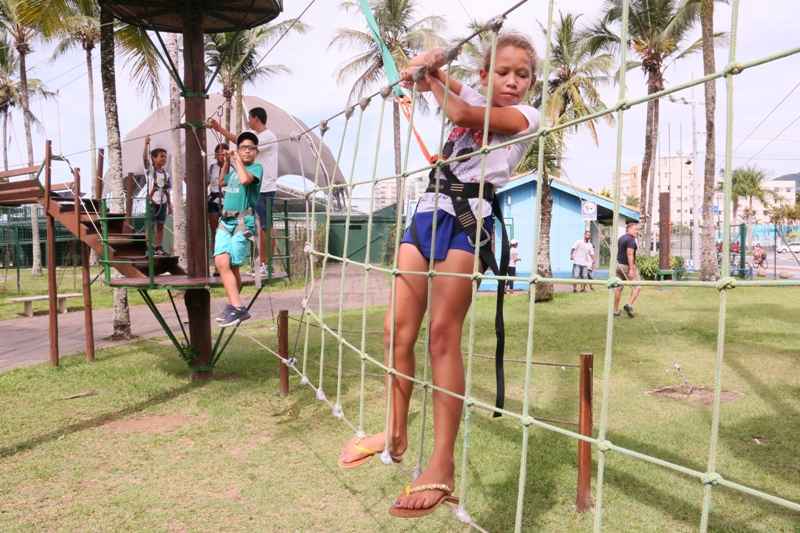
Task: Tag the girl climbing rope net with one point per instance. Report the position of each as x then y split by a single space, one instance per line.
459 199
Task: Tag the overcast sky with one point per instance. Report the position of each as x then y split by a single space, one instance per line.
311 93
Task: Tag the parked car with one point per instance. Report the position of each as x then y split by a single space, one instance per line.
793 246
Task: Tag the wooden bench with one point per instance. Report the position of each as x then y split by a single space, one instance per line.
27 301
663 273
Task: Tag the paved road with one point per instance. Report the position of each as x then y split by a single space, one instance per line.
25 342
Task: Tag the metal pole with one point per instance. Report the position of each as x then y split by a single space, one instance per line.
283 349
52 286
583 500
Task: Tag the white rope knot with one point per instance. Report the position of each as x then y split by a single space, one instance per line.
364 103
321 395
386 457
463 515
386 91
711 478
308 247
337 411
613 282
604 445
726 283
304 380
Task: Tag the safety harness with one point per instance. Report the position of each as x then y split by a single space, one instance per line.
460 194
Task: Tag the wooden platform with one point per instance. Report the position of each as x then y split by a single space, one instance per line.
182 282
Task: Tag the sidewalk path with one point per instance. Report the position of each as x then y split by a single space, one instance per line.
25 342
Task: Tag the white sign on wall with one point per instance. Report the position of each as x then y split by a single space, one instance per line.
588 210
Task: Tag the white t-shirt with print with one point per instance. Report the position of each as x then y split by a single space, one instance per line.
268 157
163 184
500 163
583 253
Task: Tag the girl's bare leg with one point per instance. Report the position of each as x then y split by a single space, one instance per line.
411 299
451 300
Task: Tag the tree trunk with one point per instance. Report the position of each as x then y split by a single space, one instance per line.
36 249
709 268
544 291
178 206
5 140
651 185
239 108
89 47
122 319
651 134
227 93
398 163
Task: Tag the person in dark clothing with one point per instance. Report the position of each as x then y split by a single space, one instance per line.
626 267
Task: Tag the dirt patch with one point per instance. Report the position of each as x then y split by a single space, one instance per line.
699 394
150 424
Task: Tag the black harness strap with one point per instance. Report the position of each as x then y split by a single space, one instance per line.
460 193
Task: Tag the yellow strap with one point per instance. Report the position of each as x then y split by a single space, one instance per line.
429 486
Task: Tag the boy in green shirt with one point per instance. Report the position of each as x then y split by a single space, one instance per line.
237 223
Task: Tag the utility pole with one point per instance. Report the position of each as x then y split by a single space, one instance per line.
696 199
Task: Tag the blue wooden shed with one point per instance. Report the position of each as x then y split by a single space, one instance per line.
518 199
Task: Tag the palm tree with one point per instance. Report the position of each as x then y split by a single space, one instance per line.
236 54
573 93
404 36
708 264
657 29
748 183
73 23
22 36
11 91
122 320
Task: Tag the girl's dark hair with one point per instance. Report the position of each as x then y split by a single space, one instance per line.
223 146
154 152
517 40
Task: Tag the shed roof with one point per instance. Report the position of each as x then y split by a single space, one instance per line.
582 194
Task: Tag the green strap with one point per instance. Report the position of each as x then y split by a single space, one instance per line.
389 65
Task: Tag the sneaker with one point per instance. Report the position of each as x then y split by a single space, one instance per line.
224 314
628 309
617 313
264 271
244 314
232 317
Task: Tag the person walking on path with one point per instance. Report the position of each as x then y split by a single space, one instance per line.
512 264
626 267
582 257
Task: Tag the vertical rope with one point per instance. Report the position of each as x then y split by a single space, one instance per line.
330 198
311 234
612 269
337 407
386 456
537 217
423 419
477 276
368 260
711 474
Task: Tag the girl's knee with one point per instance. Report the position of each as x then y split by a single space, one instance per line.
445 338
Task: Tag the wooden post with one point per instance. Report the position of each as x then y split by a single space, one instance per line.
98 180
283 349
127 221
52 286
198 301
665 231
583 500
83 249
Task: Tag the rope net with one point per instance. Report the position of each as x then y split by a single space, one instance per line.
337 344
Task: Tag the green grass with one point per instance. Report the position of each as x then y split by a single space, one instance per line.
69 280
230 455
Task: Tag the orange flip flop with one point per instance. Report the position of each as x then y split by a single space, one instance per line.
368 454
446 497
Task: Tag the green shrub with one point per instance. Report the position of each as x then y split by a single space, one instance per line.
648 266
678 265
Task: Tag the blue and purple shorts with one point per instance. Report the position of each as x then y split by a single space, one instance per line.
448 234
